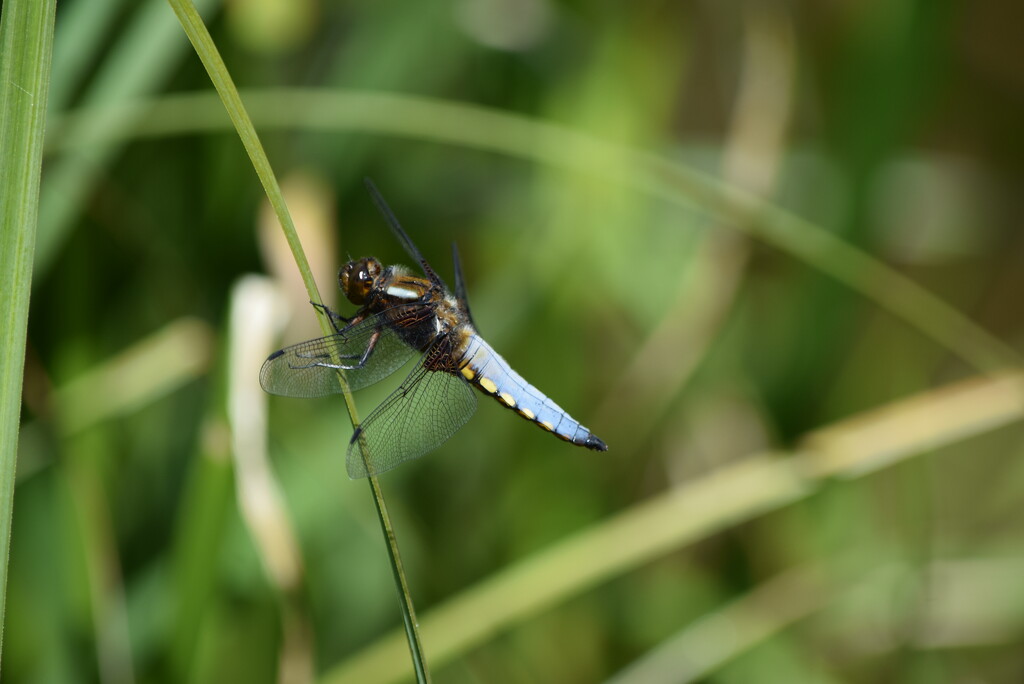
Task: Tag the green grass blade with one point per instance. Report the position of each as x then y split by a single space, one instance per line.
201 40
139 62
217 70
77 45
704 646
26 47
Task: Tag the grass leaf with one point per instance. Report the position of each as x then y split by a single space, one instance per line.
26 47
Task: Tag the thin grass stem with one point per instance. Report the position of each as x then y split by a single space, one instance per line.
201 40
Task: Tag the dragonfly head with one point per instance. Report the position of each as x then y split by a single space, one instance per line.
358 277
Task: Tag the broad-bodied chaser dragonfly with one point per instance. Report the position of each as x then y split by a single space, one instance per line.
402 314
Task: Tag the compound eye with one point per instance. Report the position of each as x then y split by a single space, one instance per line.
364 276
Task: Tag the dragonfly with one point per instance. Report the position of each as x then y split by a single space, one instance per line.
401 315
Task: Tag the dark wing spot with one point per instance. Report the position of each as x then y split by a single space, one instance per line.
279 352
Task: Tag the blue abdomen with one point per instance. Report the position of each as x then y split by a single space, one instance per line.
485 368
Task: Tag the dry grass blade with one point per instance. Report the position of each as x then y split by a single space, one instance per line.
139 375
255 304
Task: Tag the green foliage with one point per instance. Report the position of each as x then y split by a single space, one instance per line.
770 295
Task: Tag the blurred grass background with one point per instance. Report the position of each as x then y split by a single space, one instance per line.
800 486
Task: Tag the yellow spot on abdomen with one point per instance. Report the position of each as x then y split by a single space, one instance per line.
468 373
547 426
527 413
488 385
507 399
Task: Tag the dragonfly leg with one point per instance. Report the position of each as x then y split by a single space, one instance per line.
374 338
333 316
371 345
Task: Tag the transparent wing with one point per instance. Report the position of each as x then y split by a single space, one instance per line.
460 285
428 408
310 369
399 232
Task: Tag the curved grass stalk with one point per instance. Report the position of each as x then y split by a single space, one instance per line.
197 33
485 129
